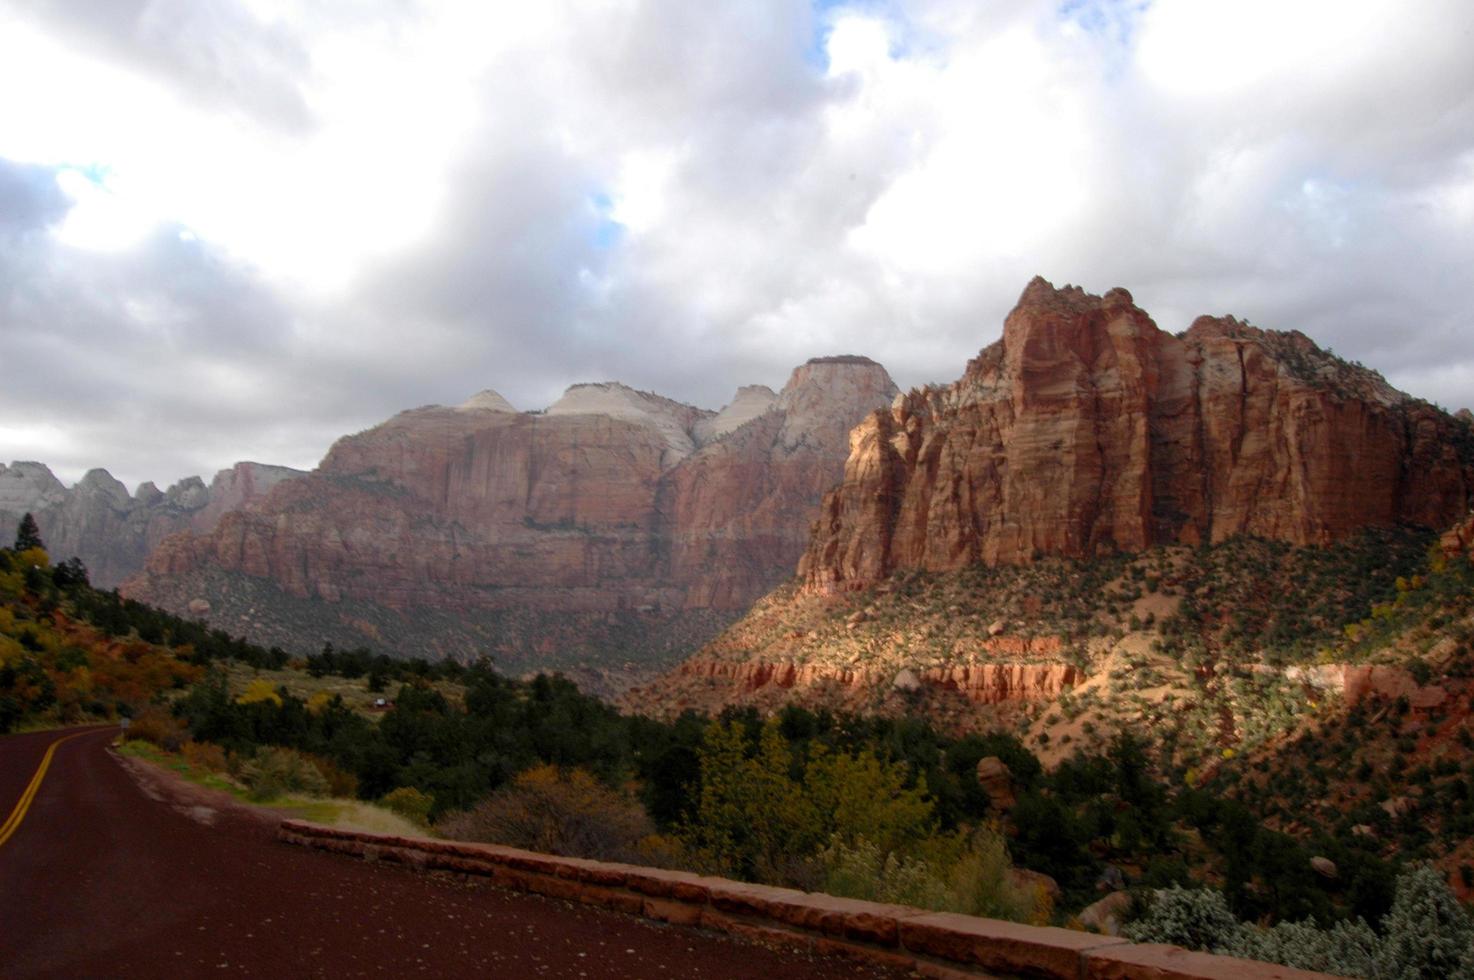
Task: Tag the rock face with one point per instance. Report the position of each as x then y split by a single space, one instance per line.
981 683
709 682
113 531
742 502
615 507
1086 430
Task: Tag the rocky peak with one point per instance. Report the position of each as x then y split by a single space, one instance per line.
1086 429
675 421
101 483
28 486
189 493
1296 357
112 531
239 486
819 399
750 402
485 400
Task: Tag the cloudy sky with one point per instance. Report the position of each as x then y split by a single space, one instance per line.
237 230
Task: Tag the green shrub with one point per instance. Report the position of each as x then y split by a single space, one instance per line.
341 783
409 803
1197 918
1346 950
1427 933
1426 936
971 874
274 772
864 871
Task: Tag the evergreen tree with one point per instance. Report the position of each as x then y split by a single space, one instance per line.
27 534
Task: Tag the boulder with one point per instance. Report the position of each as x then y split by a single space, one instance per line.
1106 915
1035 882
1397 806
997 781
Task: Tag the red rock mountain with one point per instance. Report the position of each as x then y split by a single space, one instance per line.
112 531
615 526
1086 430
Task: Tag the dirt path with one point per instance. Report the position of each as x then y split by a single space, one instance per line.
101 878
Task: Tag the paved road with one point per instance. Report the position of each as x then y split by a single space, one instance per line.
100 879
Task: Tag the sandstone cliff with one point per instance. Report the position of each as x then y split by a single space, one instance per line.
1086 430
615 526
1083 438
113 531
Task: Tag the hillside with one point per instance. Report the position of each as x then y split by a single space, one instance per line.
1224 542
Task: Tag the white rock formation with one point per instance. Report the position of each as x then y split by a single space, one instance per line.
750 402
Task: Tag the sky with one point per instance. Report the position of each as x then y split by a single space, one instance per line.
240 230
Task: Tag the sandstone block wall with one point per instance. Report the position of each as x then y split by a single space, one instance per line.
935 944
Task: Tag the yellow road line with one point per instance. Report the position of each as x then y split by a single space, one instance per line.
24 803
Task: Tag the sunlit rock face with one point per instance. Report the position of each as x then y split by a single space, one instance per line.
1087 430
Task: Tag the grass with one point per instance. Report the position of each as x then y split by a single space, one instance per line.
331 811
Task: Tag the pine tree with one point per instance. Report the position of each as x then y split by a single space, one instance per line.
27 534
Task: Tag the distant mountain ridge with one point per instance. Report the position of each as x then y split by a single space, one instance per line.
613 527
113 531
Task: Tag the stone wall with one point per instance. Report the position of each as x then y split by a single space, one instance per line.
934 944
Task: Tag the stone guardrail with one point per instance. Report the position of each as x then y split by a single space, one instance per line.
942 945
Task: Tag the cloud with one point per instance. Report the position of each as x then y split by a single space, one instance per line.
30 199
242 229
214 52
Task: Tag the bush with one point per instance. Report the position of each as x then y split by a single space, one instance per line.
967 874
1346 950
259 691
409 803
204 755
157 725
1427 933
274 772
1197 918
1426 936
341 783
567 813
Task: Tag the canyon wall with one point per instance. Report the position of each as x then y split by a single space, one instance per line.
618 508
1086 430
